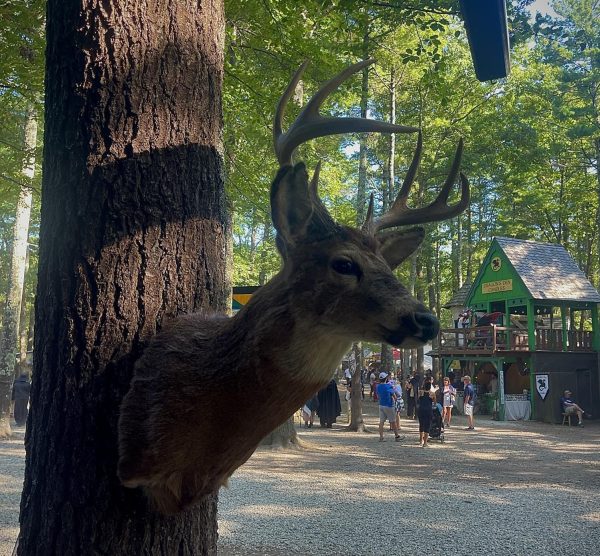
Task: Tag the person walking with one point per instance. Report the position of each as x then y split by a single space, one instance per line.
308 411
373 385
469 399
425 414
411 398
387 411
448 399
398 401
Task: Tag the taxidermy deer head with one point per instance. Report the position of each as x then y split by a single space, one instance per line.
208 389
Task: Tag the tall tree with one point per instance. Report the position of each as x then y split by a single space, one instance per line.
20 90
9 335
134 231
571 42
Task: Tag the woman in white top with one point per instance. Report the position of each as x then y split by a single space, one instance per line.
449 397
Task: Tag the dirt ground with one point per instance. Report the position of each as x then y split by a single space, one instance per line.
513 487
508 487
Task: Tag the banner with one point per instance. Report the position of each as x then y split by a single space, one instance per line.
541 385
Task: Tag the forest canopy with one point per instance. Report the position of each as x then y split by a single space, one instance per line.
532 140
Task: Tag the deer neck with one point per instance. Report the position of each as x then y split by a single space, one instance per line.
298 346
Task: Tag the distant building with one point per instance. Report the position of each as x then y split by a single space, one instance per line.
536 332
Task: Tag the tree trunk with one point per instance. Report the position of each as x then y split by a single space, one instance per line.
431 295
469 277
389 171
284 436
597 149
361 192
387 358
9 336
23 323
133 231
357 422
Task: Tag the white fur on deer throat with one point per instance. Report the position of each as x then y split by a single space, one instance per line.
318 363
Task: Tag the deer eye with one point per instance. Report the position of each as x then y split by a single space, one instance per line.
345 266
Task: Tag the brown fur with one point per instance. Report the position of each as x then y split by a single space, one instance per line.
207 390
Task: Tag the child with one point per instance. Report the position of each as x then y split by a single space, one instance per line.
425 414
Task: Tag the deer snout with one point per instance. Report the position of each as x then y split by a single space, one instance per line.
421 327
428 324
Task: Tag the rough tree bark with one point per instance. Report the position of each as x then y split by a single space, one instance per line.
284 436
133 231
9 336
357 422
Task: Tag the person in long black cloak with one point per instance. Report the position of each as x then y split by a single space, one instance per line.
20 396
330 406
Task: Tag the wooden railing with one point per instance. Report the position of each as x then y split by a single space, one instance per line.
489 339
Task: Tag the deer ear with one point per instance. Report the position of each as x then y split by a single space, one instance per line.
297 212
397 246
291 204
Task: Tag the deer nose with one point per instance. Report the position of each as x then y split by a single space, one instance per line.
428 324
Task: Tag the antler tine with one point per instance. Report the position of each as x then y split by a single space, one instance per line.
310 124
367 227
314 182
401 215
281 105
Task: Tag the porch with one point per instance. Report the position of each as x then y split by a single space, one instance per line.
488 340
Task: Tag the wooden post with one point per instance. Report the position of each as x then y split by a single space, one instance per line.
531 325
563 318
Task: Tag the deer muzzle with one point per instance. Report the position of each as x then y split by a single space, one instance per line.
415 329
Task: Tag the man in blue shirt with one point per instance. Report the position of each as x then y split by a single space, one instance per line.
569 407
469 399
387 411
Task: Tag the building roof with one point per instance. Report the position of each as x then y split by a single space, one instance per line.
548 271
459 299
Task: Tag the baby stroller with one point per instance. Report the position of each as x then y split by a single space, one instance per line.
436 432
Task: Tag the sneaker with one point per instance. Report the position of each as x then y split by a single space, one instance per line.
400 437
581 425
382 440
447 425
422 444
470 429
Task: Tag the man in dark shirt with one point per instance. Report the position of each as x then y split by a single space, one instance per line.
469 399
569 407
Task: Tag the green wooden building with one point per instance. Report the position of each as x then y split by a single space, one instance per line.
534 331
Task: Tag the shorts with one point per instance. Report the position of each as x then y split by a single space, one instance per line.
468 410
387 414
570 410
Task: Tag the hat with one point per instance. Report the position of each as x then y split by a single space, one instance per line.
382 376
466 377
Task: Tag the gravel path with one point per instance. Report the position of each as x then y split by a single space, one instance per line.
508 489
12 468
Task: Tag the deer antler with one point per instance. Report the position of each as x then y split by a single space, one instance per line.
400 214
310 124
